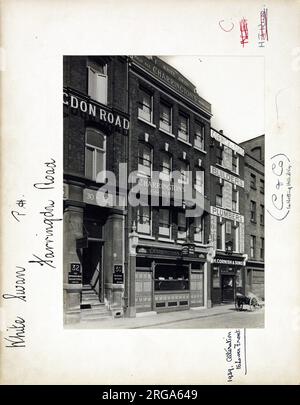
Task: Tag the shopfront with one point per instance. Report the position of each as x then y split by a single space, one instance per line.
228 278
166 280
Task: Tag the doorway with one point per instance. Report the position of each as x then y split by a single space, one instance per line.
92 269
228 282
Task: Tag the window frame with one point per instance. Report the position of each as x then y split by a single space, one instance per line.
150 220
184 235
144 90
95 69
95 150
252 246
202 135
253 211
163 175
170 126
161 234
253 181
141 172
179 131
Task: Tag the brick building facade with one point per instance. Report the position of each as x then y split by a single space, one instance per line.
255 214
121 257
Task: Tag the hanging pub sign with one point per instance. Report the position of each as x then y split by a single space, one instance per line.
118 275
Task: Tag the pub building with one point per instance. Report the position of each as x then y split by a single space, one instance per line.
170 131
227 224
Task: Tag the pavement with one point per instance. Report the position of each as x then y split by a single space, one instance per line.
220 316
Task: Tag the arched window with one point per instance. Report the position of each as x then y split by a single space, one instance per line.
95 152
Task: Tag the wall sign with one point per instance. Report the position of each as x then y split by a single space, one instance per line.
74 276
118 275
226 176
220 212
95 111
229 261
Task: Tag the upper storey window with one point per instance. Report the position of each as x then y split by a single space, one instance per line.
97 83
183 128
199 136
145 105
165 119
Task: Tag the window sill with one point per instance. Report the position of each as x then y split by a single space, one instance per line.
167 133
180 241
183 141
200 244
142 236
147 122
162 239
253 188
252 221
199 149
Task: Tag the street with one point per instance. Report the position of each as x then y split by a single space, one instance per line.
217 317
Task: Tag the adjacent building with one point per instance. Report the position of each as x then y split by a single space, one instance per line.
255 214
136 134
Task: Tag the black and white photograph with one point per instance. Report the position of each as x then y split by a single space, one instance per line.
163 212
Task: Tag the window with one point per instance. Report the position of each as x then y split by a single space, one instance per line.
198 229
199 183
253 211
97 83
219 155
219 195
145 105
220 236
199 136
235 163
252 245
184 172
166 167
262 248
165 119
182 226
183 128
262 186
164 222
235 200
253 181
145 159
262 215
95 153
144 220
170 278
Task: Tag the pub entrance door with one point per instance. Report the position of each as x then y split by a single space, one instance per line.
92 269
228 283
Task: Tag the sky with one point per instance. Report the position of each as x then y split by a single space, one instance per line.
234 85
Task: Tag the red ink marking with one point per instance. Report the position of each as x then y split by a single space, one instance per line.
226 30
244 31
